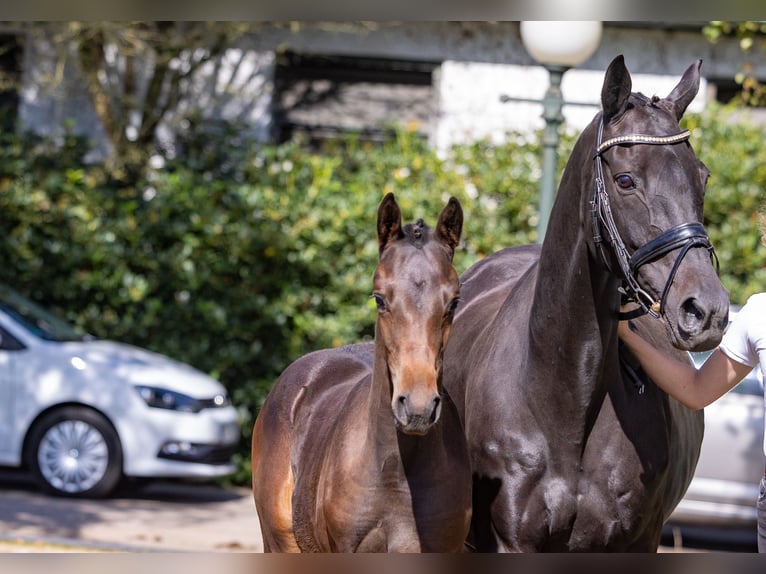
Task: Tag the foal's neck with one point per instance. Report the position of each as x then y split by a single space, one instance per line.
385 439
380 417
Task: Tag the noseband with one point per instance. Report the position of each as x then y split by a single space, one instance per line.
681 237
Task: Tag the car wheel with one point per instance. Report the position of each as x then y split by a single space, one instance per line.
75 452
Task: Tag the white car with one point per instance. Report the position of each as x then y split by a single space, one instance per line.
82 413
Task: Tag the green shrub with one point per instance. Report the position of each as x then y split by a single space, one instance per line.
731 146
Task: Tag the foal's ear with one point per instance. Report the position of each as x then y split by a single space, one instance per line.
389 222
450 224
686 90
616 89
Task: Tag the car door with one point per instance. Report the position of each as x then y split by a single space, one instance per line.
732 450
9 434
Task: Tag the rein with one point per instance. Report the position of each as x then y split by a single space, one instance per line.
680 237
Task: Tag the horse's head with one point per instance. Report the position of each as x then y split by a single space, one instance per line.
647 204
416 290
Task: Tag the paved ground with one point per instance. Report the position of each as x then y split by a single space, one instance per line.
160 517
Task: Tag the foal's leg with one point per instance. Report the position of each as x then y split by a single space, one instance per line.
273 483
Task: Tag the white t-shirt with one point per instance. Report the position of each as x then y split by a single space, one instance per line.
745 339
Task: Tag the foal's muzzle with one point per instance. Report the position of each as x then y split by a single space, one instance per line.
414 419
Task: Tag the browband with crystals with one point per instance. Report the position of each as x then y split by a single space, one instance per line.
642 139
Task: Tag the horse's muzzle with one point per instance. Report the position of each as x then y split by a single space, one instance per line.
700 324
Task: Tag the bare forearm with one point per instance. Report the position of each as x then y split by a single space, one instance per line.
674 377
691 387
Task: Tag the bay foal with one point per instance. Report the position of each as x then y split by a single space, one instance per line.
355 451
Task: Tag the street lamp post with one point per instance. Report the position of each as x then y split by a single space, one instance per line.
557 46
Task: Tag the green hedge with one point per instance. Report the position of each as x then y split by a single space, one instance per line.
240 258
730 144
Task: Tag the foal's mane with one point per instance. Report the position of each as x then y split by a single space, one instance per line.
417 233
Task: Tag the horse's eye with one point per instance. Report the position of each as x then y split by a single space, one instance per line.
624 181
452 306
380 301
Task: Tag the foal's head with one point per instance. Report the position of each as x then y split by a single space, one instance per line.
416 289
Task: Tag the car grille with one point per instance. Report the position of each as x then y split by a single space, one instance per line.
199 453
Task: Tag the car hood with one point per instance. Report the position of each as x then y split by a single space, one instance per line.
138 366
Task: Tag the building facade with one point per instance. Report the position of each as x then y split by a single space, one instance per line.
453 81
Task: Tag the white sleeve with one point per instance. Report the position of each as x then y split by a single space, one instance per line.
747 332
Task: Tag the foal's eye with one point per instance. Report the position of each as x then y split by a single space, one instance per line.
624 181
452 306
380 301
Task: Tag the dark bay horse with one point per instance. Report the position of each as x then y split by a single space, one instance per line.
571 448
359 449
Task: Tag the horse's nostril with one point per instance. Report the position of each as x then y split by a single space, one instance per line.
693 312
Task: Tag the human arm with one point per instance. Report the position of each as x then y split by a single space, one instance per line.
694 388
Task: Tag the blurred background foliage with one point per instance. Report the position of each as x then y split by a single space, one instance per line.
751 35
239 258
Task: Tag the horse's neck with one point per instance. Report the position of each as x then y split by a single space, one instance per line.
573 312
572 285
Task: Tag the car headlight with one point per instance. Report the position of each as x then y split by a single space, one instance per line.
166 399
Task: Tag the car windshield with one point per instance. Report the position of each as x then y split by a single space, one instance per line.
35 319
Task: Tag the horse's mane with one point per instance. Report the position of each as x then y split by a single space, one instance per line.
646 100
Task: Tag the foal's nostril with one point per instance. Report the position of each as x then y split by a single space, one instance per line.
402 408
437 407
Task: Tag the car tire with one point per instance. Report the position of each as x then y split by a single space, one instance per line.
75 452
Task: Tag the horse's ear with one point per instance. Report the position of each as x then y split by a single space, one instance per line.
686 90
450 224
616 88
389 222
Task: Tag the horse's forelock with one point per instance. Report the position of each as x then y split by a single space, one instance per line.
639 99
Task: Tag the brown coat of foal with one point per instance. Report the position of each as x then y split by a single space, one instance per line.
350 456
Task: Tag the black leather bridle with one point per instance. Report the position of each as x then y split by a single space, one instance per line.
681 237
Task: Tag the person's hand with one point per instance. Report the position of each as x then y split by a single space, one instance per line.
623 330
